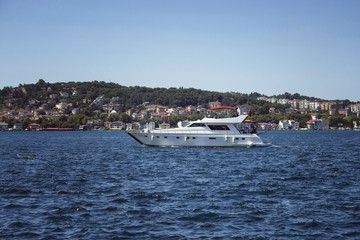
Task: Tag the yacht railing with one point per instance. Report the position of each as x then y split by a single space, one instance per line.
222 132
180 131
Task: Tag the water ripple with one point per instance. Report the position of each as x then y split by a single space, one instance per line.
103 185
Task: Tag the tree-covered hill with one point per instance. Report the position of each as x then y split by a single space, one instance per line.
83 96
132 96
127 96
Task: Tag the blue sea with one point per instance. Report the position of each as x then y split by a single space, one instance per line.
105 185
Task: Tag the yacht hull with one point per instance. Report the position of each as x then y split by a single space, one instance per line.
198 140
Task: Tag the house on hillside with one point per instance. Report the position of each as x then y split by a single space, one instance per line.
326 106
156 116
314 116
214 104
156 108
63 105
64 94
191 109
295 103
289 110
343 111
355 108
53 96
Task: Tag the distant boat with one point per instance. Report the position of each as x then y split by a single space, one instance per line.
58 129
207 132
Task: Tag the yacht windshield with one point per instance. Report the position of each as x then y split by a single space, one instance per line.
219 127
187 124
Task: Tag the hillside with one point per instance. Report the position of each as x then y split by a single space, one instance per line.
73 104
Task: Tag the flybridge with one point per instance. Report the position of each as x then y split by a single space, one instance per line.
232 108
238 119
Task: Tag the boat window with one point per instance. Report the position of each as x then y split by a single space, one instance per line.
218 127
165 137
157 136
197 125
212 138
243 138
145 135
236 138
177 137
194 137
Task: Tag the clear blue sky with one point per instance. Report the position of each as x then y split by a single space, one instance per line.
311 47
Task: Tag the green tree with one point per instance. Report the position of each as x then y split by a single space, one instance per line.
337 121
125 118
113 117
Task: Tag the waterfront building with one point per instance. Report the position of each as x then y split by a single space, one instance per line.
4 126
164 126
319 124
289 124
150 125
117 125
18 126
34 126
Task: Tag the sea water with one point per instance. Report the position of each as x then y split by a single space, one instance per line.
105 185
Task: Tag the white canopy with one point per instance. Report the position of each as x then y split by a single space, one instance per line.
238 119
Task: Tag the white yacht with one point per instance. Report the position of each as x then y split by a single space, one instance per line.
207 132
